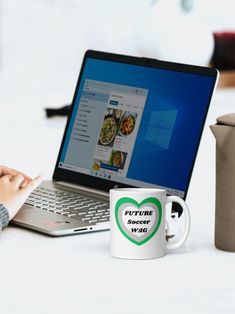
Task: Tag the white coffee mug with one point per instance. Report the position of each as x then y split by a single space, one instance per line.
138 223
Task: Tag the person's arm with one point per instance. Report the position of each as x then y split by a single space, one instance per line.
12 172
4 217
14 191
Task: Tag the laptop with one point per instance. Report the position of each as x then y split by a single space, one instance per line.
134 122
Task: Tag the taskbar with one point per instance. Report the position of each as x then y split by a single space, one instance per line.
119 179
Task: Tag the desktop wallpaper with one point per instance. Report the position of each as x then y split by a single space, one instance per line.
171 124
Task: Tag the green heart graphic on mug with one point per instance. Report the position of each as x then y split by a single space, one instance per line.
138 222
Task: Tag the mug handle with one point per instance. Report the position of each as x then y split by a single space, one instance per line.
176 199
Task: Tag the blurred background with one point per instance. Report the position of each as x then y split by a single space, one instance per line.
42 42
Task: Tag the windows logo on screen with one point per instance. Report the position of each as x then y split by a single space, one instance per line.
161 127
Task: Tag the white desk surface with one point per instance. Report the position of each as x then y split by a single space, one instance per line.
39 274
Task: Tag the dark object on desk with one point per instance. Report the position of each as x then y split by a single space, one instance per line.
227 79
63 111
224 132
224 51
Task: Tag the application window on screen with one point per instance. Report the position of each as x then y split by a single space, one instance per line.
105 129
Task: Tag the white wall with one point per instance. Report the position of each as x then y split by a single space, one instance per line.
43 41
218 13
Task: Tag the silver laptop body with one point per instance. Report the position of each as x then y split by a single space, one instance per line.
60 208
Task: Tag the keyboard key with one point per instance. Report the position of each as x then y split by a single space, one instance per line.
89 215
103 219
93 220
85 219
71 215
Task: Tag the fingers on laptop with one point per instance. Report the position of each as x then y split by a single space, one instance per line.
18 180
12 172
33 184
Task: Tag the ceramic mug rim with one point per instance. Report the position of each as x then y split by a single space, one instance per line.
150 190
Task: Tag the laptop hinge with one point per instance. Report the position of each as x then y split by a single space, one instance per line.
83 188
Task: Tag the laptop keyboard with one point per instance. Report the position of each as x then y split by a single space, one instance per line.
70 205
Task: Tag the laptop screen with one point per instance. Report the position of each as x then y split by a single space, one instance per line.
136 125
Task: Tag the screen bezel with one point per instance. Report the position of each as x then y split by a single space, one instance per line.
90 181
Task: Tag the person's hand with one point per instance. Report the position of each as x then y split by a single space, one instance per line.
14 191
12 172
